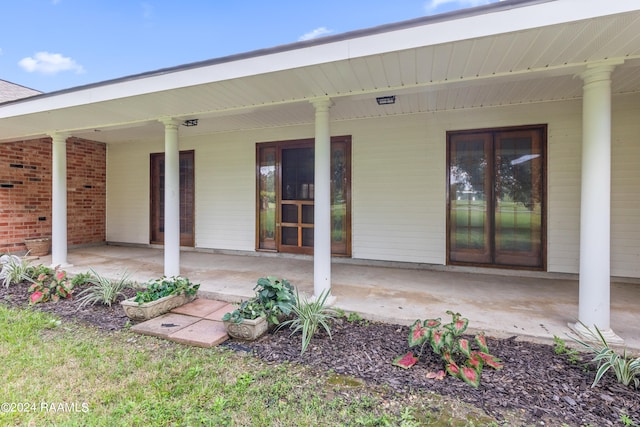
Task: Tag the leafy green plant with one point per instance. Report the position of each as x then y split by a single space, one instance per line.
276 296
50 288
35 271
250 309
309 315
102 289
354 317
560 348
627 421
625 367
165 286
14 269
81 279
446 341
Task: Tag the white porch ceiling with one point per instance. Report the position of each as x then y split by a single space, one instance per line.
526 66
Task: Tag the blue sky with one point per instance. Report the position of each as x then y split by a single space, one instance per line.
50 45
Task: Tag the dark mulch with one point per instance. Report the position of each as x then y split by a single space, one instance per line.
535 382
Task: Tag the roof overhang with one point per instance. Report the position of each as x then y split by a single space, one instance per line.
511 52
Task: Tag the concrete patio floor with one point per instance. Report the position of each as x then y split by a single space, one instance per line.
537 306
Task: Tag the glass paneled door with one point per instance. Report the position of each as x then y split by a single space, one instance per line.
496 197
286 190
187 194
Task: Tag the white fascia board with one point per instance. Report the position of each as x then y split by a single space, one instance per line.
430 33
553 12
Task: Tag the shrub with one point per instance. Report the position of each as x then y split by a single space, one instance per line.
309 316
446 341
103 290
165 286
46 288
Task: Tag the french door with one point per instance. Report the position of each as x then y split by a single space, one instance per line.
285 201
496 201
187 195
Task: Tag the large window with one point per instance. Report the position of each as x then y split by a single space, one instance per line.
285 199
496 200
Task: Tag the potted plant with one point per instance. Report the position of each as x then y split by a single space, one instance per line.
247 322
160 296
273 300
276 296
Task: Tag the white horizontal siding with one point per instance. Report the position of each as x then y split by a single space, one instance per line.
128 191
398 183
226 186
625 187
225 196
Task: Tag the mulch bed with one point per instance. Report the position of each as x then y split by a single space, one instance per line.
535 382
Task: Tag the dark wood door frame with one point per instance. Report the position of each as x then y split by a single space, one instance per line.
187 198
343 222
504 259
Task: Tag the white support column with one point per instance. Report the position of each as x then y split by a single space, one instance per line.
171 198
595 205
322 199
59 199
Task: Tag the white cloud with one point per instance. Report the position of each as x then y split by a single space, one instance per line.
147 10
49 63
318 32
431 5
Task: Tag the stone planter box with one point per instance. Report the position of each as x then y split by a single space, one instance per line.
248 330
149 310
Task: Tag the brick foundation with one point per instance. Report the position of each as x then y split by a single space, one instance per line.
25 192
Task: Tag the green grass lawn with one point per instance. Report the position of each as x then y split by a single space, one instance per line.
64 374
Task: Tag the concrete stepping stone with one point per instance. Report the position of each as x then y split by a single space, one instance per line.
199 307
165 325
203 333
217 315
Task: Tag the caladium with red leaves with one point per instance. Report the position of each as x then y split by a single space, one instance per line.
406 361
463 346
489 360
461 361
481 340
418 334
437 341
452 369
470 376
432 323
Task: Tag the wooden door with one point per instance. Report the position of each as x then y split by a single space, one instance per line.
187 196
496 197
285 200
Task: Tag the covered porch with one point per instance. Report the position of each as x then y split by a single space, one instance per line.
534 306
397 91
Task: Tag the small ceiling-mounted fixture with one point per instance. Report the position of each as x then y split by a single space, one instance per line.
190 122
386 100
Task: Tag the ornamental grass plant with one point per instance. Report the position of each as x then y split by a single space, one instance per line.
309 315
103 290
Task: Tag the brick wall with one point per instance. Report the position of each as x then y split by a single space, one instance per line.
25 192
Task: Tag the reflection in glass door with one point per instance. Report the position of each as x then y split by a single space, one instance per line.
496 197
